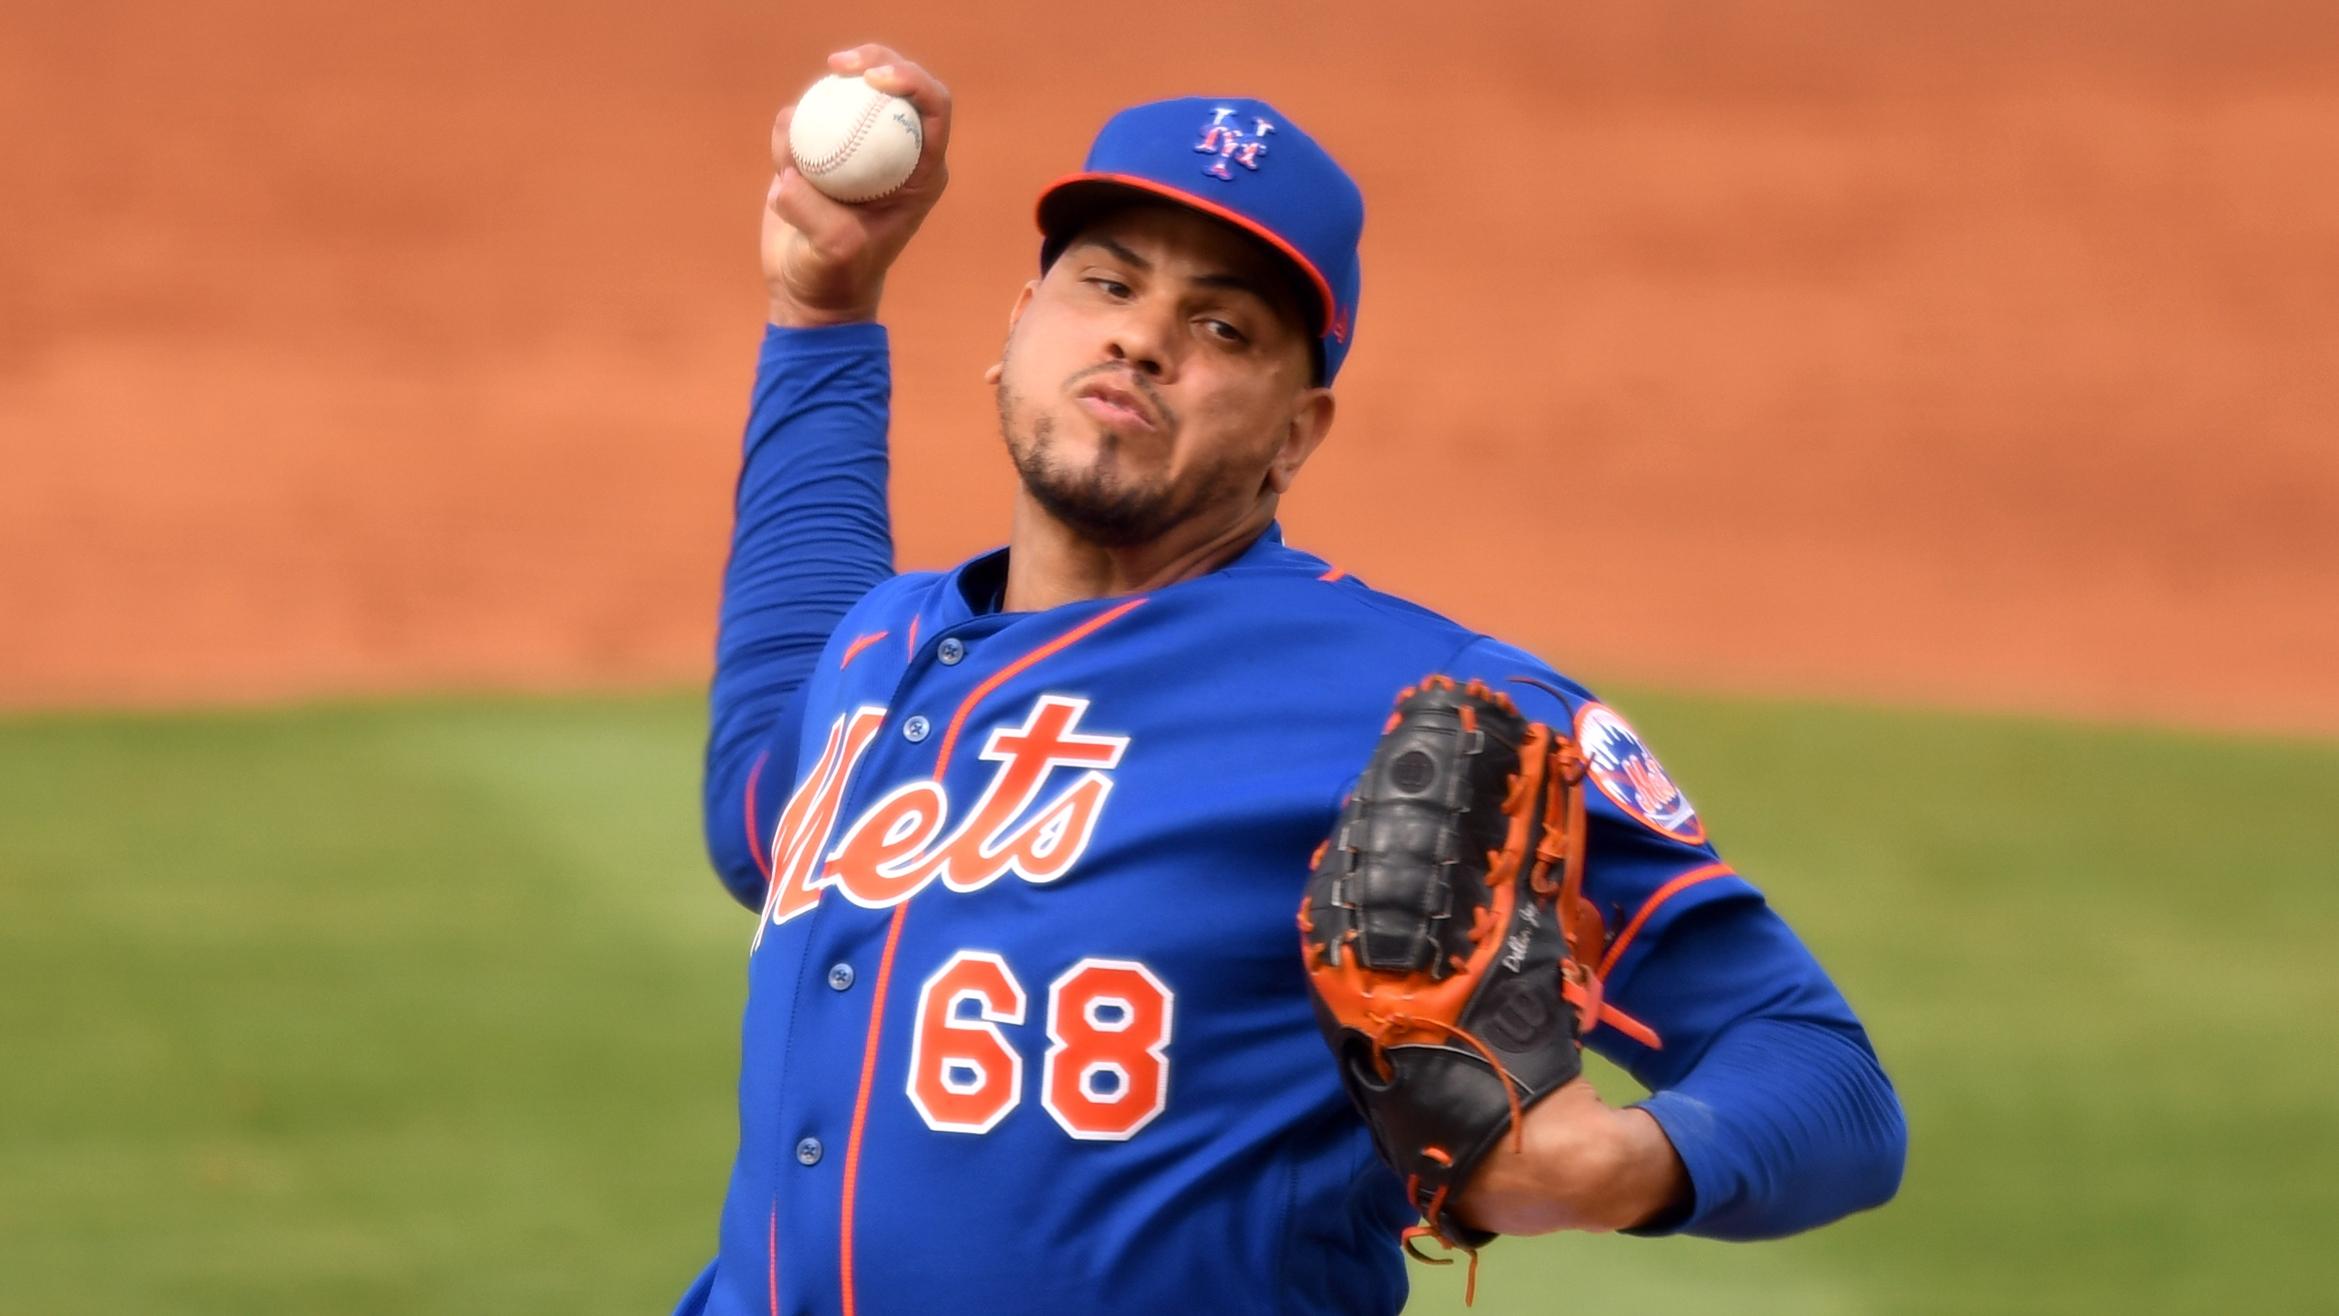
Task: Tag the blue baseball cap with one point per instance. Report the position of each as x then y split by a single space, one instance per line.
1241 161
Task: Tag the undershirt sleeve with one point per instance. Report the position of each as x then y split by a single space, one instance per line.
1767 1085
811 534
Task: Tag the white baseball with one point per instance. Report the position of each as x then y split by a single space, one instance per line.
854 142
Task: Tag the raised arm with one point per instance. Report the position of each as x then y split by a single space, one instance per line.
810 532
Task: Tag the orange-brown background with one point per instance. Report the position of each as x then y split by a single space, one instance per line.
1979 353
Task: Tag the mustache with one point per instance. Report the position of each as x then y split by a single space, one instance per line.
1133 380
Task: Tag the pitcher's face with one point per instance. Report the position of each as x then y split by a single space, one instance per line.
1159 372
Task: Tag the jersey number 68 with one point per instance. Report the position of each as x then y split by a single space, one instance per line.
1106 1073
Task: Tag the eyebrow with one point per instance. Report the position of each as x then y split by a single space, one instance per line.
1232 282
1118 252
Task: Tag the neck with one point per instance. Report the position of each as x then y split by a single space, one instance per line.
1049 565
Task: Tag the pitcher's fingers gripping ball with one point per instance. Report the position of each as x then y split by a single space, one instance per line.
1436 934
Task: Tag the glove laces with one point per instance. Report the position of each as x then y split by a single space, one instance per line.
1470 1277
1395 1025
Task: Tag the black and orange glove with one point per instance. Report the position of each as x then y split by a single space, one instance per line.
1437 931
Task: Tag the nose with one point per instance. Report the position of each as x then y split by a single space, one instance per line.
1140 338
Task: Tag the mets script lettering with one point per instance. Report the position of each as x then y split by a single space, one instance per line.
904 842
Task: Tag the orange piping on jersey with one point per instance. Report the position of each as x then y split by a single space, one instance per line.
763 865
859 643
913 645
1011 670
771 1258
1331 574
861 1101
901 912
1648 907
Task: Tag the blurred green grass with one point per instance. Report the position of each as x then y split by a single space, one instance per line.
432 1007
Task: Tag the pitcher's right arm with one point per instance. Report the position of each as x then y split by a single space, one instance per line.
810 532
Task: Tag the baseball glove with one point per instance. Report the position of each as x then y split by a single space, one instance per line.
1437 931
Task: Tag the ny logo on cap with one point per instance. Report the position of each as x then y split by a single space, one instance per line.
1230 143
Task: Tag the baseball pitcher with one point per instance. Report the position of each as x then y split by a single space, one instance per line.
1150 916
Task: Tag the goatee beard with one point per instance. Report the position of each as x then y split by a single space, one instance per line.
1090 502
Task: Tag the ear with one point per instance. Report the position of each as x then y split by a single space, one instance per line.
1014 317
1311 420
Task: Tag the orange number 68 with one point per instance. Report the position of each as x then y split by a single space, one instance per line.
1106 1074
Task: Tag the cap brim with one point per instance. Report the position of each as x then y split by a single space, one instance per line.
1072 199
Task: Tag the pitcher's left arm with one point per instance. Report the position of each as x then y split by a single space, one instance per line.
1774 1112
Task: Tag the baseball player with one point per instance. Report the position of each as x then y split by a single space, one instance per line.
1029 1025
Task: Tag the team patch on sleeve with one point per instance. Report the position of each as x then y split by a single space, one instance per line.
1629 774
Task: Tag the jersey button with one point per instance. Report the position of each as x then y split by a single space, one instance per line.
950 651
915 729
808 1151
840 976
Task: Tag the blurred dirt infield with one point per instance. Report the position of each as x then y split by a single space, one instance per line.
1984 356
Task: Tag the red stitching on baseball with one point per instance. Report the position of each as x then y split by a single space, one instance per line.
861 127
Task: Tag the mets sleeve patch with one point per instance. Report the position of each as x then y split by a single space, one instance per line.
1627 773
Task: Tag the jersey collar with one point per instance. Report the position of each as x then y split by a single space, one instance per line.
975 587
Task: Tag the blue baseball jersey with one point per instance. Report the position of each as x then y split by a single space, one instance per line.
1027 1026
